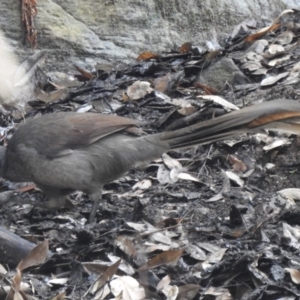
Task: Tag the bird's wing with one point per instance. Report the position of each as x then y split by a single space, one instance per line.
89 128
60 133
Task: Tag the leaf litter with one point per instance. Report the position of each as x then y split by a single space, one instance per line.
212 222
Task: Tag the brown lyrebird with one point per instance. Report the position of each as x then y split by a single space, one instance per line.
66 151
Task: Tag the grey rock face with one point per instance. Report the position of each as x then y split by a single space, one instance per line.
116 31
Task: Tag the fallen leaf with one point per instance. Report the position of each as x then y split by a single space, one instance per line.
84 73
273 79
237 165
128 286
138 90
164 258
295 275
35 257
126 245
185 48
147 55
261 33
106 276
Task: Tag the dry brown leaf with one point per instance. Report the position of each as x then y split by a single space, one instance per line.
15 287
35 257
185 48
237 165
163 83
164 258
261 33
84 73
169 222
51 97
107 275
147 55
208 90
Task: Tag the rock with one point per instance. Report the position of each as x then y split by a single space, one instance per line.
224 70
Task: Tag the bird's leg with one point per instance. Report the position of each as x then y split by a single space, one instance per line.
96 197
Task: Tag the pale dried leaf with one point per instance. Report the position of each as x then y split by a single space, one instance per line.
286 11
138 90
275 49
137 226
151 247
163 282
196 252
221 101
170 291
3 271
143 184
174 173
217 256
261 71
291 194
163 174
58 281
295 275
160 237
277 143
126 245
128 286
218 291
84 108
170 162
292 235
102 293
251 66
285 37
209 247
278 61
186 176
235 178
273 79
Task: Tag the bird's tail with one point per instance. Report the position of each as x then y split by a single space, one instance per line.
278 115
